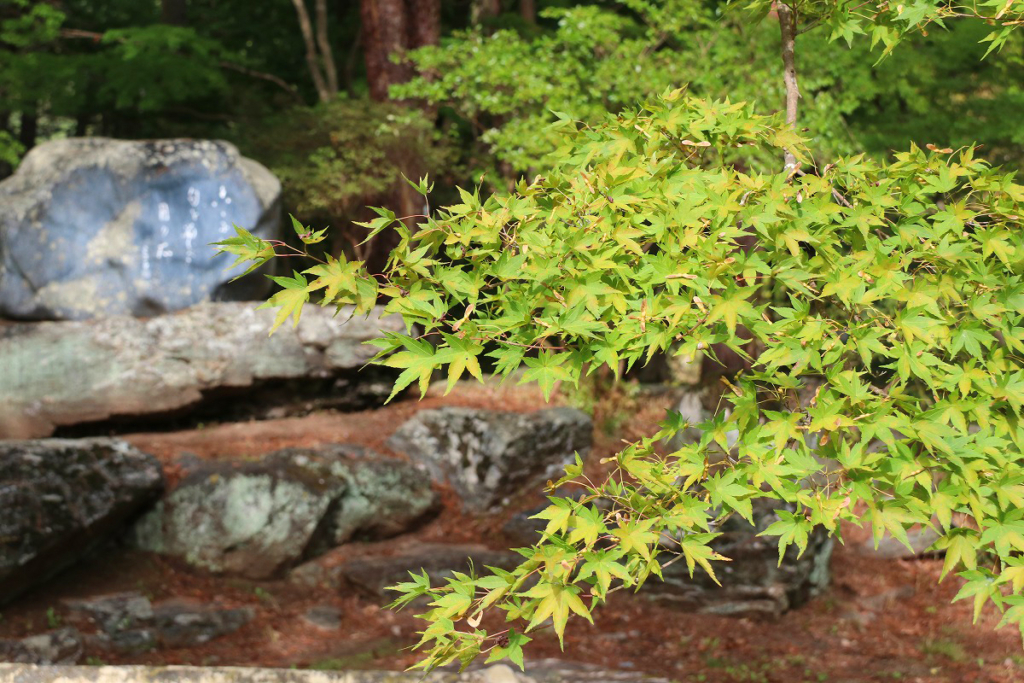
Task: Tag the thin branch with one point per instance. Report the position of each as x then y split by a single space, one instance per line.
271 78
306 26
326 56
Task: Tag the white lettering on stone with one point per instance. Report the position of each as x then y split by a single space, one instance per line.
193 214
224 226
163 212
223 192
189 233
163 251
193 196
146 270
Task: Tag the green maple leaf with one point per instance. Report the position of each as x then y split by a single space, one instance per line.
558 515
602 566
588 523
289 300
247 248
696 551
731 310
546 370
791 529
636 536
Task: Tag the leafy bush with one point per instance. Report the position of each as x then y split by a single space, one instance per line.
596 60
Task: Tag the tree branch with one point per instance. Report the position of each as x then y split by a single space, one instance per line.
271 78
311 56
325 46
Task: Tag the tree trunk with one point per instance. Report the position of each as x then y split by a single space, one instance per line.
312 59
82 124
28 129
484 9
787 25
528 8
424 22
174 12
385 32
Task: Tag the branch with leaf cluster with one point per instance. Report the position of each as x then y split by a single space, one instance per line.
890 390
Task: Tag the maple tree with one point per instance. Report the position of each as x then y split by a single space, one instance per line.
880 306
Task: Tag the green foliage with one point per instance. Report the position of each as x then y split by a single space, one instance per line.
887 300
10 149
509 86
153 67
335 157
879 305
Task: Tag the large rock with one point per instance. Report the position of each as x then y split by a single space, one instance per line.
61 498
257 519
95 227
488 456
753 582
545 671
67 373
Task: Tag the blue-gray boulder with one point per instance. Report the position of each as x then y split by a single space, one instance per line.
94 226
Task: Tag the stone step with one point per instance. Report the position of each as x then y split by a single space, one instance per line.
547 671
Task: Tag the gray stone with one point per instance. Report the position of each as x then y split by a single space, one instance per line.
61 498
545 671
753 582
112 613
921 542
94 227
66 373
383 497
63 646
488 456
323 616
129 623
373 574
182 623
258 518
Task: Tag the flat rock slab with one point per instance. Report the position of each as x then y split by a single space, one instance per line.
94 226
60 498
66 373
542 672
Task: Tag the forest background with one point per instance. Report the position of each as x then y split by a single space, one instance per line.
339 97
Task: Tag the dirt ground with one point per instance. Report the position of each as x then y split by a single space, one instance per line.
880 620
